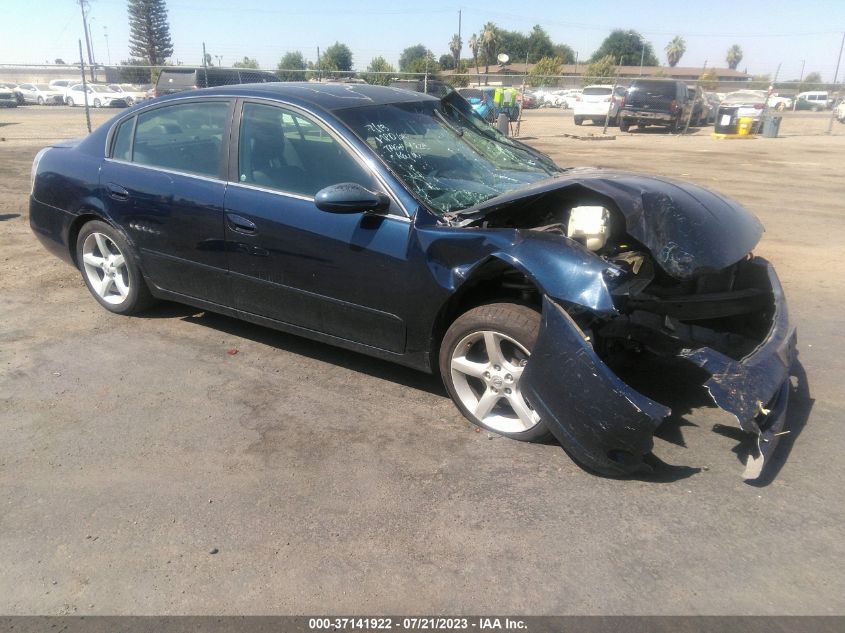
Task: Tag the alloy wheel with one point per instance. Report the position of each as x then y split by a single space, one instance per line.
105 267
486 368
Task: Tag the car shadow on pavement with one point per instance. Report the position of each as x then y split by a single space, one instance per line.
302 346
9 216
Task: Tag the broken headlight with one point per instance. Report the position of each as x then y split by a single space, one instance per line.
589 225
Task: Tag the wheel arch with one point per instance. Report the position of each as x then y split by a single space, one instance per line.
495 278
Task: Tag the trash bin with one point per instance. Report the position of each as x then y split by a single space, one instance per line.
771 125
502 123
727 121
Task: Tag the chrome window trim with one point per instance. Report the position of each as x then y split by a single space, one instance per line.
166 171
298 196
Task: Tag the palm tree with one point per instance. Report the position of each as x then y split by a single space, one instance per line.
488 43
675 50
474 45
455 46
734 56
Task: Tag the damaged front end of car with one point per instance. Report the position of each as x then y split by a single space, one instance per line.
683 288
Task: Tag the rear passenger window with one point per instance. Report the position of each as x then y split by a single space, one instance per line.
122 148
283 150
186 137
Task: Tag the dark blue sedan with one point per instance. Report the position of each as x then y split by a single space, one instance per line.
403 226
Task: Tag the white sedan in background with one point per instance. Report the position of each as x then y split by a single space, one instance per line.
40 94
98 96
129 93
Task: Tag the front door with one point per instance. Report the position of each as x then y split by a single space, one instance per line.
343 275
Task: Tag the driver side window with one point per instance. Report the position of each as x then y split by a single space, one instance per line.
280 149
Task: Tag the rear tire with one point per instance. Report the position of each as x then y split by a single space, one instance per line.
70 101
579 120
109 270
624 125
40 101
97 103
481 361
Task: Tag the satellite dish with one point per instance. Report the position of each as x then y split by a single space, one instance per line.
503 58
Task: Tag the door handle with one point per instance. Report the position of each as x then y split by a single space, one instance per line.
117 192
240 224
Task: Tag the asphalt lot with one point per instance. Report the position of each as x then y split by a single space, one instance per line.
331 482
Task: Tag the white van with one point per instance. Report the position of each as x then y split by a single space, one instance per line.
814 100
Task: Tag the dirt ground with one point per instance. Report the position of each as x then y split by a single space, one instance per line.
327 481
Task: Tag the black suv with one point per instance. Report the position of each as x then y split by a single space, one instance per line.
178 78
656 102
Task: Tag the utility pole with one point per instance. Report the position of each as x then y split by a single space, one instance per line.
84 86
642 56
319 67
460 42
87 38
205 64
835 77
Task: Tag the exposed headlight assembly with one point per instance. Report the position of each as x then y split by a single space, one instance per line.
589 226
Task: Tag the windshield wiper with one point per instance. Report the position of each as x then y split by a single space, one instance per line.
457 130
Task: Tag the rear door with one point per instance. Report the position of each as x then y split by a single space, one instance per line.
164 183
343 275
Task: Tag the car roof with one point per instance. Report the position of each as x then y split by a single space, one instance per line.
328 97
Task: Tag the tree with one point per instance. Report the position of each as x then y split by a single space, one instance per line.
291 67
627 46
539 45
675 49
488 45
246 62
760 82
599 71
135 71
708 80
813 81
455 46
379 65
410 55
446 62
734 56
459 78
336 57
421 65
543 70
475 46
149 32
564 53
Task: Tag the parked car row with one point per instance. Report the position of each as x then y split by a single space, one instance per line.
72 92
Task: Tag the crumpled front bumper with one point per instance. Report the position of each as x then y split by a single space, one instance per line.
608 427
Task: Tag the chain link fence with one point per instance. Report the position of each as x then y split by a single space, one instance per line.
535 106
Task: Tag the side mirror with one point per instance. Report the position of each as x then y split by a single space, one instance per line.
350 197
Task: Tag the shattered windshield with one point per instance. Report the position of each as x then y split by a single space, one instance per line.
447 156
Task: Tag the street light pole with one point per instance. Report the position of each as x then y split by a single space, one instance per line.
108 52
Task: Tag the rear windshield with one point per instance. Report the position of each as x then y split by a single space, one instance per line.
654 88
172 79
596 91
471 94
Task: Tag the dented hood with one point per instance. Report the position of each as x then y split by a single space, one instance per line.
688 229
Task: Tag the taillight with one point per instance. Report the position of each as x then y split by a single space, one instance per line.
577 99
673 107
758 106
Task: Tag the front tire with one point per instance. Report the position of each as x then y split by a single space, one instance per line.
97 103
105 259
70 101
40 100
624 125
482 357
579 120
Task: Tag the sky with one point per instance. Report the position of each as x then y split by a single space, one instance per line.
771 33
